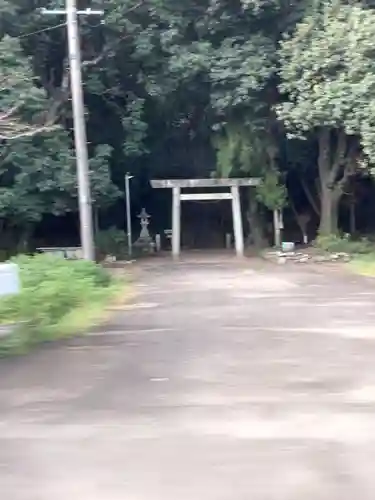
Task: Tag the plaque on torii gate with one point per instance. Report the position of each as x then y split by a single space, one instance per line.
177 185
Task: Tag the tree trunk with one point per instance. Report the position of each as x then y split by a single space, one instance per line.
329 212
309 192
24 241
302 220
256 236
353 225
330 192
96 221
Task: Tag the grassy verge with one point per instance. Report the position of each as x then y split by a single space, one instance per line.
59 299
363 265
361 252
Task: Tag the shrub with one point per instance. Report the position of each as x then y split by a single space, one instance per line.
51 289
344 244
112 242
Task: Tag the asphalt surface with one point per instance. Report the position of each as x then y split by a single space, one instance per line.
222 381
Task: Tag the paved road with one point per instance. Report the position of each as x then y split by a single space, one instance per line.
224 381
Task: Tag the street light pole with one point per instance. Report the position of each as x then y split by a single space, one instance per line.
80 139
128 214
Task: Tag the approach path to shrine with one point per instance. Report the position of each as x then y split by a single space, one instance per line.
223 380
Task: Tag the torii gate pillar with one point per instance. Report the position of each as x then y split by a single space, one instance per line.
176 222
237 221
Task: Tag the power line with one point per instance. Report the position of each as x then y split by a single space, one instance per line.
42 30
51 28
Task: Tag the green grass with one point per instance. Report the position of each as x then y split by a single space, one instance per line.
59 299
361 252
363 265
344 244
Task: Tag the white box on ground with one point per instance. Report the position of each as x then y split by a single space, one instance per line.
10 283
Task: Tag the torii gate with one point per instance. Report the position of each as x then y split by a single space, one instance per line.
234 194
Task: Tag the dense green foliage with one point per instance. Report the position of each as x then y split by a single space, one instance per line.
18 92
112 242
277 89
328 74
343 244
52 290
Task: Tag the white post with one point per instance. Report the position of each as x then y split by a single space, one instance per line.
277 228
228 241
158 242
176 222
237 221
128 214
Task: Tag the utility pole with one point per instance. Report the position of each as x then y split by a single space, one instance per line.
80 139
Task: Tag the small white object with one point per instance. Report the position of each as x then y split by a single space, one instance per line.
228 241
158 242
10 283
287 246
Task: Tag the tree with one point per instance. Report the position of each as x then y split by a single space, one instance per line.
328 82
37 177
103 191
245 150
22 104
180 84
38 173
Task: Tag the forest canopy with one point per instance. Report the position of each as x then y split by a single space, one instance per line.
278 89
